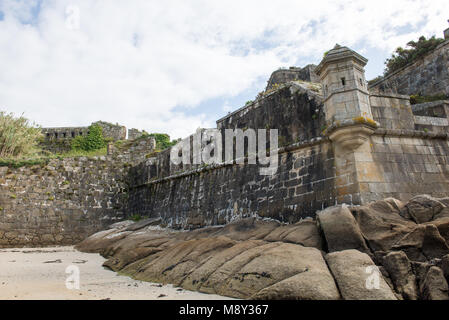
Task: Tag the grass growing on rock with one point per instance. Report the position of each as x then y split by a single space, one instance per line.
43 159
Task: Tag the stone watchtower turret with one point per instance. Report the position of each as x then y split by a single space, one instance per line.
346 97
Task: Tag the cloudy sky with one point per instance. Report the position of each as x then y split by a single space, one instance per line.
173 66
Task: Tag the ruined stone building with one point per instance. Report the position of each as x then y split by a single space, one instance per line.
59 139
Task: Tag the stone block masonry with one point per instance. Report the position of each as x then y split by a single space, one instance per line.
407 165
303 184
62 202
428 76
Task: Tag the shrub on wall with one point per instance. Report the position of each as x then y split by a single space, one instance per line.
93 141
18 137
402 57
162 140
416 99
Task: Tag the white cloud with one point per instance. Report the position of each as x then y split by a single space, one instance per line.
134 62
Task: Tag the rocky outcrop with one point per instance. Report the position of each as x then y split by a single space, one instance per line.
354 271
400 269
341 230
247 259
386 250
434 286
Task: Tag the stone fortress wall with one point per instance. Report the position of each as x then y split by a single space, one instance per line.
426 77
60 202
339 142
63 201
283 76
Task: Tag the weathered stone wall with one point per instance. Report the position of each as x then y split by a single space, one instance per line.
392 111
189 196
134 151
134 134
295 110
283 76
406 164
112 131
58 140
428 76
438 109
61 202
303 184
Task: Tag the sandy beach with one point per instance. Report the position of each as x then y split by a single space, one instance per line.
40 273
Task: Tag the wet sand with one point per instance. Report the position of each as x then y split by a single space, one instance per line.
40 273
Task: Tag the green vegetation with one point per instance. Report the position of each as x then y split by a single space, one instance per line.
82 153
45 158
136 217
416 99
18 137
18 163
163 140
93 141
402 57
